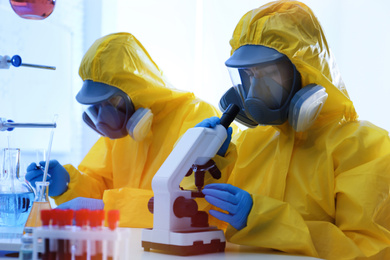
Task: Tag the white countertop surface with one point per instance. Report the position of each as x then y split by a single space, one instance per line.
232 251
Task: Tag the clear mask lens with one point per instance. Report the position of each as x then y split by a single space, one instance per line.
118 102
95 111
234 76
237 82
92 112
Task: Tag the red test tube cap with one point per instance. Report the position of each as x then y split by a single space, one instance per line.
55 215
112 219
60 216
81 217
96 218
101 215
46 216
68 217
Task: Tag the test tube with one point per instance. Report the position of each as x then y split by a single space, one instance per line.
60 241
112 220
69 213
64 245
81 219
45 218
96 223
55 214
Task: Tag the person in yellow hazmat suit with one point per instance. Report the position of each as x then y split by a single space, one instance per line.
310 178
140 117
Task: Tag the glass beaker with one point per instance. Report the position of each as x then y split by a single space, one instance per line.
16 196
41 202
33 9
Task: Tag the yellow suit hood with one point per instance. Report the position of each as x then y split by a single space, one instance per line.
291 28
121 61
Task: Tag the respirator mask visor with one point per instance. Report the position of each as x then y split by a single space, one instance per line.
107 108
109 117
268 89
270 83
264 82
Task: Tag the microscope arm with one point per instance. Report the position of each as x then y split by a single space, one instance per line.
197 146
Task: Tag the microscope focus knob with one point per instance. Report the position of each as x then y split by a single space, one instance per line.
183 207
151 205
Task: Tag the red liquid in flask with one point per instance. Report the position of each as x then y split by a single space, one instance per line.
33 9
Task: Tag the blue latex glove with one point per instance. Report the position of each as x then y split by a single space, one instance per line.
57 176
82 203
231 199
211 123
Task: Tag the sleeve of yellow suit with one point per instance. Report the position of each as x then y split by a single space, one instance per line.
361 224
81 185
89 182
274 224
133 205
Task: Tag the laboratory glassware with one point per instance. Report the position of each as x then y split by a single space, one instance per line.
9 125
16 61
16 196
33 9
26 249
41 202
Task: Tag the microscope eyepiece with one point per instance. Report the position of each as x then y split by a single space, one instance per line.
229 115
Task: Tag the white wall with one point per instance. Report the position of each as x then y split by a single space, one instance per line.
36 95
364 59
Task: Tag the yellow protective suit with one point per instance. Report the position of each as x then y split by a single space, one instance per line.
120 171
323 192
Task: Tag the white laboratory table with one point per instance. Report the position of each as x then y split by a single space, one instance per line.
232 251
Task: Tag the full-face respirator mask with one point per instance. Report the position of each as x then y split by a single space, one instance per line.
267 88
111 113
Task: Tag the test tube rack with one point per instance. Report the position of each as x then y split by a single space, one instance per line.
88 239
82 244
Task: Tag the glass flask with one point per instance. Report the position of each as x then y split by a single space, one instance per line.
16 196
41 202
33 9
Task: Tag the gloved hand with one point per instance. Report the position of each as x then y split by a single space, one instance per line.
82 203
57 176
211 123
231 199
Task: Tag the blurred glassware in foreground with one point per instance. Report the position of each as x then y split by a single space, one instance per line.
41 202
16 196
33 9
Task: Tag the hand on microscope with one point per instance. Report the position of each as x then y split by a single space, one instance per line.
211 123
237 202
57 176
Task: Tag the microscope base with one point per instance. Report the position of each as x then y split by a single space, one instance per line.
188 243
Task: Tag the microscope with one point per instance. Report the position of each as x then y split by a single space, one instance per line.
178 227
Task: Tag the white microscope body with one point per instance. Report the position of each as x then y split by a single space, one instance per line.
174 208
